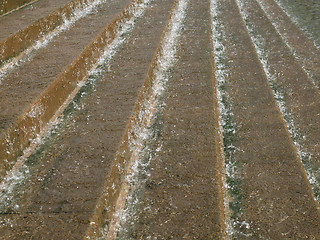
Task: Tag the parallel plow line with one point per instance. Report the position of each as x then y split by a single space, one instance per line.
259 127
105 222
17 45
7 7
33 123
303 49
299 120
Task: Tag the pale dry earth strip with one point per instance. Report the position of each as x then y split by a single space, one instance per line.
69 174
278 201
307 54
182 198
301 98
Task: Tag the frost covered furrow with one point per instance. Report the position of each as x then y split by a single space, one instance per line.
20 173
232 182
278 93
144 129
79 12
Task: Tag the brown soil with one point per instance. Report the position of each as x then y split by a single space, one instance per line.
8 6
22 18
23 85
182 198
278 201
74 173
306 52
302 97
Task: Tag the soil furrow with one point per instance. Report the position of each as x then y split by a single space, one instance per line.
69 170
26 83
307 54
277 199
15 48
159 119
122 177
7 7
300 97
22 18
304 14
182 197
55 64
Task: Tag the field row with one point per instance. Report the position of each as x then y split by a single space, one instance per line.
149 119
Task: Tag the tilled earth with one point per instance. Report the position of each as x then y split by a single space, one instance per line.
201 122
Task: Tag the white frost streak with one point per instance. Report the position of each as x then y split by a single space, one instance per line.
224 108
305 157
142 130
286 42
21 173
296 22
78 13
